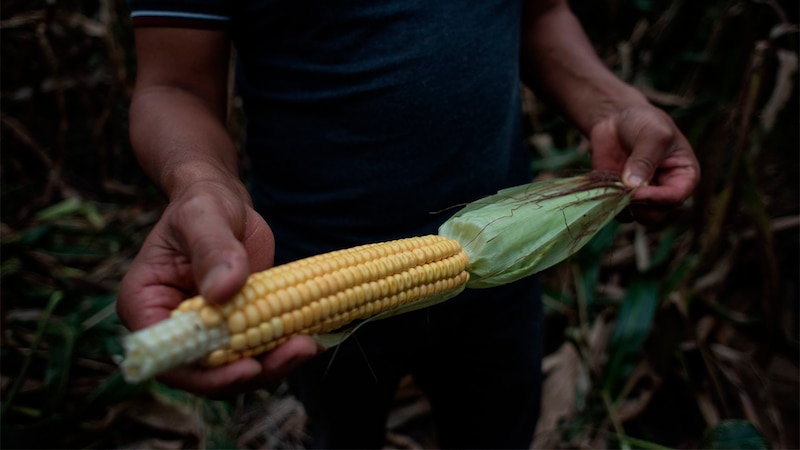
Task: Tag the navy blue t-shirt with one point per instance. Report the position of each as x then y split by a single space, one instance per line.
368 120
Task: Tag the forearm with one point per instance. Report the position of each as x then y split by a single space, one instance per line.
560 64
179 140
179 107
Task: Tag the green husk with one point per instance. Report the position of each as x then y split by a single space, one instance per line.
525 229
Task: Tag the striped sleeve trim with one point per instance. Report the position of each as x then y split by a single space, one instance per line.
178 15
180 19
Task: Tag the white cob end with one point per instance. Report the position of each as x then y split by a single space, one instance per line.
181 339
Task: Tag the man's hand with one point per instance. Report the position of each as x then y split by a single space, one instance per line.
207 241
628 135
644 145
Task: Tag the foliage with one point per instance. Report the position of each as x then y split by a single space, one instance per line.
684 335
681 330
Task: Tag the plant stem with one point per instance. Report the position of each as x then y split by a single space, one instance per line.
55 298
612 416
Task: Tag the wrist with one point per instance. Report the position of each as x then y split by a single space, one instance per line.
176 181
610 101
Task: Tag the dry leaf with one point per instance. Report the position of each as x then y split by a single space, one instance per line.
563 371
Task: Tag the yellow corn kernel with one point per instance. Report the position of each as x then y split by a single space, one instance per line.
315 295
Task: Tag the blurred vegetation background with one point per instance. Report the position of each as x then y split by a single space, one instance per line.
683 335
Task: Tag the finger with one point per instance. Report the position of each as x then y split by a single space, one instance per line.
218 382
607 154
207 230
156 282
676 178
281 362
650 142
259 242
244 375
670 192
136 314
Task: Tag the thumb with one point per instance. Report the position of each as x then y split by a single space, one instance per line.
221 272
638 171
640 167
649 139
217 256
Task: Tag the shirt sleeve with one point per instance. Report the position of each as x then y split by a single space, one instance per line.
208 14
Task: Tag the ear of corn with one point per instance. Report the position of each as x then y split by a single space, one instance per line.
525 229
493 241
325 295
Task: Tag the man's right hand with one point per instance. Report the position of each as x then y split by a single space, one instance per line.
207 242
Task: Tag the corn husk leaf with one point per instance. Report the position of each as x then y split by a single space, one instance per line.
525 229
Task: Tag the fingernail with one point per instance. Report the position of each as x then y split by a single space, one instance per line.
634 180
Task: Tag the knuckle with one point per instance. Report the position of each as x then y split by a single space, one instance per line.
195 205
645 164
664 135
655 128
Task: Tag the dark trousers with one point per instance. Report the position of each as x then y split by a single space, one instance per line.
477 357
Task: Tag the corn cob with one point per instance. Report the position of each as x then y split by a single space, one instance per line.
313 296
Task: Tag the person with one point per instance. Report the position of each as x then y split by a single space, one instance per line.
363 120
